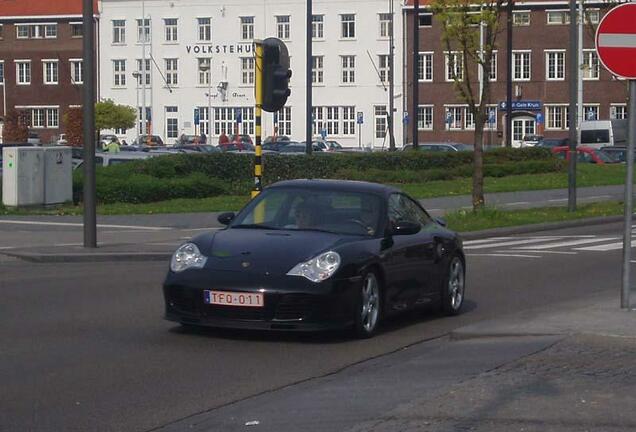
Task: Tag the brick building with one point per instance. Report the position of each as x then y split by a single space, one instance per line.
540 76
41 61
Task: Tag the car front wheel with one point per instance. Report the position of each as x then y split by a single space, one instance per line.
369 308
454 287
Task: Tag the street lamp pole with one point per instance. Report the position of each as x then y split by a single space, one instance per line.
207 69
144 118
136 75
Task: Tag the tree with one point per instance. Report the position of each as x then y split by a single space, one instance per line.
109 115
16 127
73 124
461 21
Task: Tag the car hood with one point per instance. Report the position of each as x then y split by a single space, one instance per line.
266 251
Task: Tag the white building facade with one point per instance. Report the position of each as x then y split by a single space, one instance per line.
350 66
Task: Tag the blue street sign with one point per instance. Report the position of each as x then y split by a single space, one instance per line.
360 117
406 119
238 115
197 118
491 116
529 105
590 114
540 118
449 118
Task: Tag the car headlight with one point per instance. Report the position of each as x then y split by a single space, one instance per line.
319 268
186 257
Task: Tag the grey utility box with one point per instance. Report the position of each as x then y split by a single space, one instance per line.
58 175
22 176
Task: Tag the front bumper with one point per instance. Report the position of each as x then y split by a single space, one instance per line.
290 303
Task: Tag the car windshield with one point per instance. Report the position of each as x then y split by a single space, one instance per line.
350 213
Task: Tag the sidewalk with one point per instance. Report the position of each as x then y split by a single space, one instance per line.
565 368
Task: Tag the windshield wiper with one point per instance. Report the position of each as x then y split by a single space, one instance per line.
256 226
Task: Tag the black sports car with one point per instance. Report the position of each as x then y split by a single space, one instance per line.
315 255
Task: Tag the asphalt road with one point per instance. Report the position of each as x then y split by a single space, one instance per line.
84 346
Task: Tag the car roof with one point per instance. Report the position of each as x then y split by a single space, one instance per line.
342 185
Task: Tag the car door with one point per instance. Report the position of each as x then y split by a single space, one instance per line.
410 258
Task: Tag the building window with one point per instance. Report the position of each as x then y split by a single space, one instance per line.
491 118
556 117
348 69
247 70
38 118
119 32
457 118
51 71
425 20
425 117
50 31
205 29
332 123
348 22
383 67
592 16
172 72
385 25
348 120
380 119
23 72
492 76
77 72
1 32
119 73
590 112
283 121
555 65
283 26
225 120
77 30
172 29
52 118
1 72
454 66
247 28
317 72
204 71
521 65
425 67
145 72
318 119
521 18
172 128
317 26
590 65
618 111
143 30
558 17
22 31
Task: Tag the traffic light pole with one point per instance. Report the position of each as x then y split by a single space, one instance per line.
88 113
258 114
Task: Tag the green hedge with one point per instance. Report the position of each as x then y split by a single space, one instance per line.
204 175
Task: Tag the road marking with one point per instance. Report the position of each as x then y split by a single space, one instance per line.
69 224
202 229
558 200
512 243
603 248
472 242
67 244
503 255
7 247
541 251
596 197
568 243
518 203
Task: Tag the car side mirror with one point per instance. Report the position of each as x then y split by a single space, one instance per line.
226 218
441 221
406 228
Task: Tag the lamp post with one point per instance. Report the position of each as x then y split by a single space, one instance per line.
136 75
206 68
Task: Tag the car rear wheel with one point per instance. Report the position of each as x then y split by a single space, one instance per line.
454 287
369 310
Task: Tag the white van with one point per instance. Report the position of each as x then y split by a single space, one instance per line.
603 133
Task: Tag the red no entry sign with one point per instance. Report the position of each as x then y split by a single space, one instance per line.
616 41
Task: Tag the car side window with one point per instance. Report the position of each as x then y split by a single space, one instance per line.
403 209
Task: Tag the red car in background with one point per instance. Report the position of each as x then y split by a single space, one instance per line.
585 155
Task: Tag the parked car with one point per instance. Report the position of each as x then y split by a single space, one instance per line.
440 147
618 153
531 140
59 140
200 148
299 148
604 133
553 142
33 139
278 138
276 145
585 155
236 147
110 159
188 139
149 140
242 139
317 255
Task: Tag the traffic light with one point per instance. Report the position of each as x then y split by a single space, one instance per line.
276 75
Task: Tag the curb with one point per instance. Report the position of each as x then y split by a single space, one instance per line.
547 226
91 257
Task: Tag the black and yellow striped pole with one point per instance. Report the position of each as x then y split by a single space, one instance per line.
258 115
